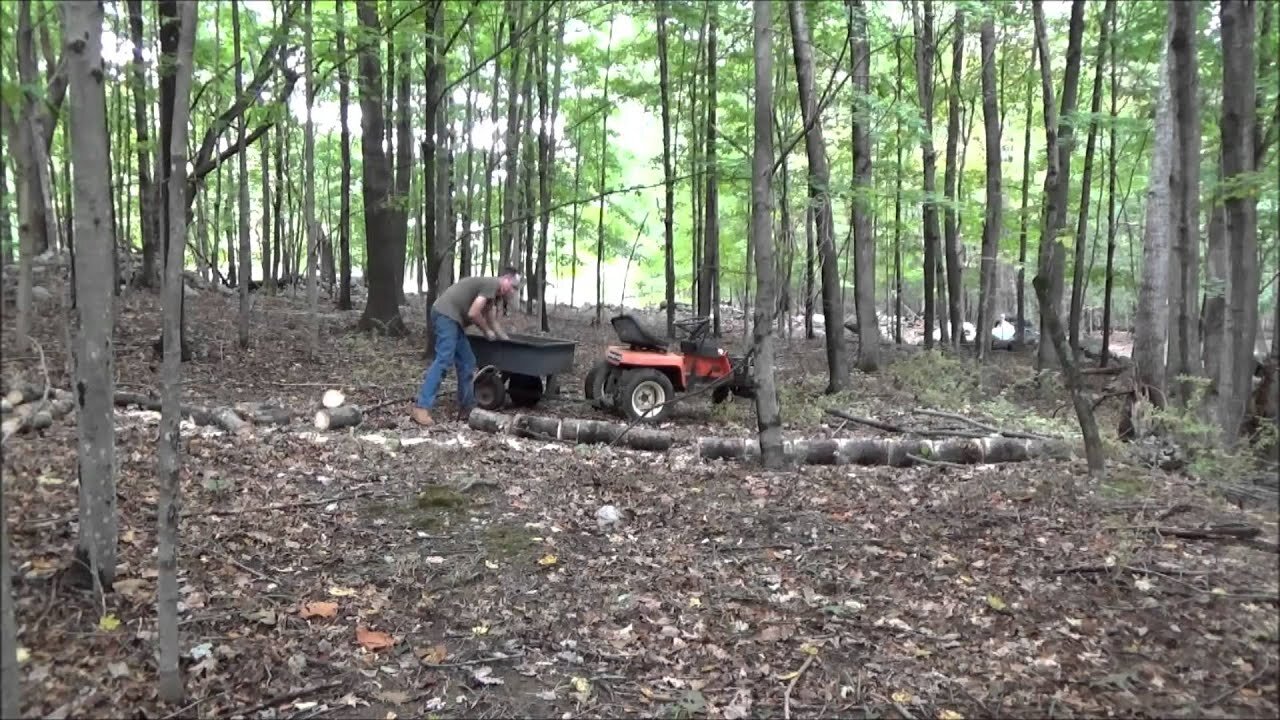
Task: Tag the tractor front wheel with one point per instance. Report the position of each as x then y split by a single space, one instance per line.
645 395
593 383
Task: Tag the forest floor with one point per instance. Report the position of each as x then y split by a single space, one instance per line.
726 591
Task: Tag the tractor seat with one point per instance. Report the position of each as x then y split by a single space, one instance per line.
632 333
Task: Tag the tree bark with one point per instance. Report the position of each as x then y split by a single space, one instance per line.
95 555
992 222
242 191
768 412
10 671
309 197
951 231
1239 115
1071 373
344 214
1152 318
512 144
1109 281
709 277
1021 285
1185 196
895 452
864 242
604 154
1059 137
897 196
668 173
924 88
381 223
1079 268
819 193
146 193
570 430
169 507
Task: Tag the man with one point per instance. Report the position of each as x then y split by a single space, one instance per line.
470 301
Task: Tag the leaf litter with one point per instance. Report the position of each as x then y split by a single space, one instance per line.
311 573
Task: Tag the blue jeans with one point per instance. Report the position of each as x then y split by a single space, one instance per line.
452 348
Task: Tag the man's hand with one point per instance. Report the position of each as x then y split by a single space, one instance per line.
503 334
490 334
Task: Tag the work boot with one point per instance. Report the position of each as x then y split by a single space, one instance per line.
464 414
422 416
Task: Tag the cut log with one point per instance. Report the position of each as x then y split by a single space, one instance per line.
333 399
260 413
574 430
893 452
24 393
38 415
339 417
222 418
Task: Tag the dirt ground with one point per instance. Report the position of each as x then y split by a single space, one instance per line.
1024 589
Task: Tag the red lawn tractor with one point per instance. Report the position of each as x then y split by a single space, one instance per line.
640 377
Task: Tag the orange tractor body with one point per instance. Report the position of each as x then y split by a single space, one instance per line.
641 377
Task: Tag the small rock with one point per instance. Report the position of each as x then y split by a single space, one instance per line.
607 515
41 294
297 662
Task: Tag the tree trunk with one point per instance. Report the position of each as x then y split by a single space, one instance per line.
864 242
897 196
768 412
1184 70
1019 335
924 88
709 278
433 82
242 190
512 144
1152 319
604 154
344 215
819 193
571 430
577 215
95 555
1058 131
264 167
146 193
309 194
1075 385
668 173
1109 280
547 150
992 222
951 233
404 167
1079 269
890 452
382 310
168 510
10 671
1239 88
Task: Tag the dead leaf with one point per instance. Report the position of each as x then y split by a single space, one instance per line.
373 640
435 655
135 589
118 669
393 697
484 676
319 609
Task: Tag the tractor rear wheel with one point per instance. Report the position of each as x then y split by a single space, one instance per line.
593 383
645 395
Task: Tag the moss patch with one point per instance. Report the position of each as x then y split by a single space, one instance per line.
507 541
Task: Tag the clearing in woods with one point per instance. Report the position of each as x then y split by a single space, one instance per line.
724 591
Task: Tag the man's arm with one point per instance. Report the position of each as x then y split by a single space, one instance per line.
480 312
492 316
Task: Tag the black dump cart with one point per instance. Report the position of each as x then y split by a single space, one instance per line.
517 368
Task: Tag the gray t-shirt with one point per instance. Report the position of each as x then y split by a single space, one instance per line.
456 300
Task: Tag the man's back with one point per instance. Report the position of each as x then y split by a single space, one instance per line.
455 301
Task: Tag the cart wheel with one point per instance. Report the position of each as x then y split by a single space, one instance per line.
489 391
524 390
645 394
606 388
593 384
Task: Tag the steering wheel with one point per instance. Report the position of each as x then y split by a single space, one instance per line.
694 326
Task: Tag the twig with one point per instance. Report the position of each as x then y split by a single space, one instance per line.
479 661
385 403
983 426
281 506
866 421
1219 698
286 697
44 368
202 700
786 698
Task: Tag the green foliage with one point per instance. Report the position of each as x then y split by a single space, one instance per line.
937 379
1186 424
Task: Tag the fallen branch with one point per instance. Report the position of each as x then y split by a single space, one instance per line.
264 413
223 417
983 426
888 427
571 430
284 698
892 452
786 697
477 661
